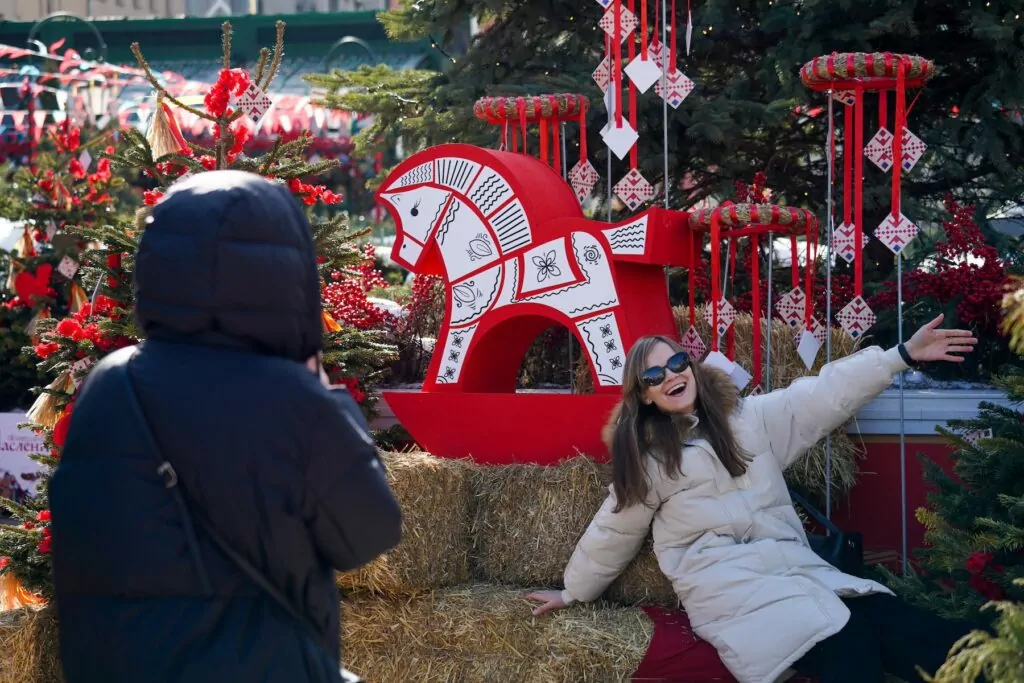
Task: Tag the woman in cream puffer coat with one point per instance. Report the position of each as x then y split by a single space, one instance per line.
725 530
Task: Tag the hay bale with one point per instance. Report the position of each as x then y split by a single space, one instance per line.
28 640
435 495
529 517
643 582
482 633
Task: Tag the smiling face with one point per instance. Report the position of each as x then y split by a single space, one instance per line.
678 392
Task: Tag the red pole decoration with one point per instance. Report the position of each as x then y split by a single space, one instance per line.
556 142
730 335
848 166
808 270
505 142
716 268
544 154
634 150
521 107
695 244
515 139
883 113
618 64
755 306
643 30
858 163
583 136
897 138
672 64
794 262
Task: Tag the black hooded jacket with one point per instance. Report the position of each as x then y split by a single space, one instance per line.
228 296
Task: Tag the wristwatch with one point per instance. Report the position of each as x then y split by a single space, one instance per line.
905 355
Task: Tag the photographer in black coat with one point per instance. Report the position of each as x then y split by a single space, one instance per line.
282 469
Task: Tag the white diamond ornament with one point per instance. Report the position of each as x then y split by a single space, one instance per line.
847 97
816 328
808 348
620 139
627 23
657 51
689 31
844 242
254 103
693 344
603 74
717 359
896 233
740 377
726 316
634 189
67 267
856 318
879 149
85 159
790 307
643 73
582 177
674 88
912 149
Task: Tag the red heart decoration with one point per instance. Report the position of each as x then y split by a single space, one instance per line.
28 285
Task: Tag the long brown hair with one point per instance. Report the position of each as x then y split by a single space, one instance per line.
637 430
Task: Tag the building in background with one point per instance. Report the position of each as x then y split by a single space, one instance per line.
33 10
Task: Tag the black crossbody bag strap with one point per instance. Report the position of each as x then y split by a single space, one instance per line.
166 470
814 512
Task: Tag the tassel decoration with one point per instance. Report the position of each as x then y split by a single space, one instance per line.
77 297
44 411
330 325
33 324
25 248
164 136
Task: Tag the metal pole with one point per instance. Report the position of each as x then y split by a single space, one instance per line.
664 119
609 191
565 175
903 427
829 219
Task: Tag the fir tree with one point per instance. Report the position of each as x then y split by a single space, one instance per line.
975 519
66 184
749 109
69 347
982 656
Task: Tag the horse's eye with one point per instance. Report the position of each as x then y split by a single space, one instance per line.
415 210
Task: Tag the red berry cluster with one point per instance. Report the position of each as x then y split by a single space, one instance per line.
352 384
976 566
229 82
345 298
756 193
965 270
310 194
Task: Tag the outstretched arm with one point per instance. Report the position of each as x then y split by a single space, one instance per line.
794 419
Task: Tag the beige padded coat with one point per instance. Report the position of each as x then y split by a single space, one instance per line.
734 548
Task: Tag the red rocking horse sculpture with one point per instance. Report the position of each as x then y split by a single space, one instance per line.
517 256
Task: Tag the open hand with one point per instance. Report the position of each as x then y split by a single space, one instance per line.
931 343
550 600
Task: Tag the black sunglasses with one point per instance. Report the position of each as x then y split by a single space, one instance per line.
678 364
